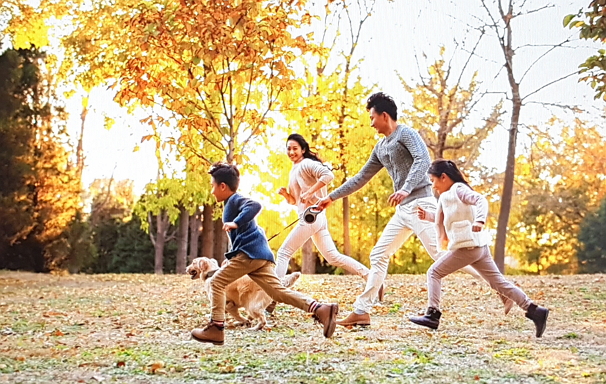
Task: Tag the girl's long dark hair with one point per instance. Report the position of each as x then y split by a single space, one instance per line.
441 166
307 153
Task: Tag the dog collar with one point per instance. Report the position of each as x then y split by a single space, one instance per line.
209 274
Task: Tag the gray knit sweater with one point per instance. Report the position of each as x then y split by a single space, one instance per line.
405 156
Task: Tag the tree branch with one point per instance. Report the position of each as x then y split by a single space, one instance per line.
540 57
548 84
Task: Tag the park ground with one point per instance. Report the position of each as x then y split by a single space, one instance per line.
136 329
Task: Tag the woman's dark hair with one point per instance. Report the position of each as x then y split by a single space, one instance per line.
382 103
441 166
307 153
226 173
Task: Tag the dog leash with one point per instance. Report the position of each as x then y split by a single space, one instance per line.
283 229
309 211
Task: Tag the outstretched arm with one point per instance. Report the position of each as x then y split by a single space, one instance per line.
372 166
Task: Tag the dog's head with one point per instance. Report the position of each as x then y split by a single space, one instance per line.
200 266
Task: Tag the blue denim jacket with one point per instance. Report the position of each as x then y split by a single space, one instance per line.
248 237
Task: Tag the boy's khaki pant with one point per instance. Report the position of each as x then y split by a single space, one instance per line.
261 272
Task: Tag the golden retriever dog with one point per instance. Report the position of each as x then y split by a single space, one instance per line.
242 293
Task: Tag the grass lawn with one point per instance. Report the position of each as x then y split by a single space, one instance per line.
135 329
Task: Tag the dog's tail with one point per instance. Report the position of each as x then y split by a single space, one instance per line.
290 280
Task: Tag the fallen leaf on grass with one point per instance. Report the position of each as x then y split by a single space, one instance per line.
228 369
157 367
53 313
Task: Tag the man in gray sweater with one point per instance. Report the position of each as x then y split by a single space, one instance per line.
404 154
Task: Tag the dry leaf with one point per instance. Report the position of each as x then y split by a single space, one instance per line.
53 313
156 366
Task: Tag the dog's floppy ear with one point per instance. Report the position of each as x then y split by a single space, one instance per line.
195 268
213 264
208 264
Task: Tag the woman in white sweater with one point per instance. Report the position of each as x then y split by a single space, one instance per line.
459 219
307 184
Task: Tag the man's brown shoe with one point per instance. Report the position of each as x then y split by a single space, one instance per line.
326 314
355 320
212 333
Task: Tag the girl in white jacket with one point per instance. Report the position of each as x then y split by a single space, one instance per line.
307 185
460 218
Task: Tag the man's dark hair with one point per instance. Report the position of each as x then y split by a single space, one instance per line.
382 103
226 173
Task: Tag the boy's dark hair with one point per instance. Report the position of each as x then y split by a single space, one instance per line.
307 153
226 173
382 103
441 166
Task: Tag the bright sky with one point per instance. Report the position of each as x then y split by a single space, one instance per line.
396 35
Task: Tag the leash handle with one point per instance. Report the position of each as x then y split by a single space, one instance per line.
312 211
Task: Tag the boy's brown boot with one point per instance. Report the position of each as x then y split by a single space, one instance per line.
326 314
212 333
431 319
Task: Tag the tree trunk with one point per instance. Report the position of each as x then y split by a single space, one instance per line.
516 100
220 242
182 241
80 147
308 260
346 219
161 228
208 232
499 250
194 235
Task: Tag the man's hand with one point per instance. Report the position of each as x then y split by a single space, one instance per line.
282 191
477 226
229 226
425 215
397 197
324 203
421 213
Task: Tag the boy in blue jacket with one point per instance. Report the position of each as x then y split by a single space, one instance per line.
250 255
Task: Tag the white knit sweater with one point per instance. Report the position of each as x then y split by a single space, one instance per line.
303 176
458 208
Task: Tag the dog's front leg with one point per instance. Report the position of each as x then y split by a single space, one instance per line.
232 309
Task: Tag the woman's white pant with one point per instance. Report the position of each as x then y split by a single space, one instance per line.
318 232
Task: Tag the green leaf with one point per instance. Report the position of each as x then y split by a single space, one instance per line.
568 19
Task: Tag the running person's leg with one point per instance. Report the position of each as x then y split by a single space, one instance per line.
327 248
295 240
